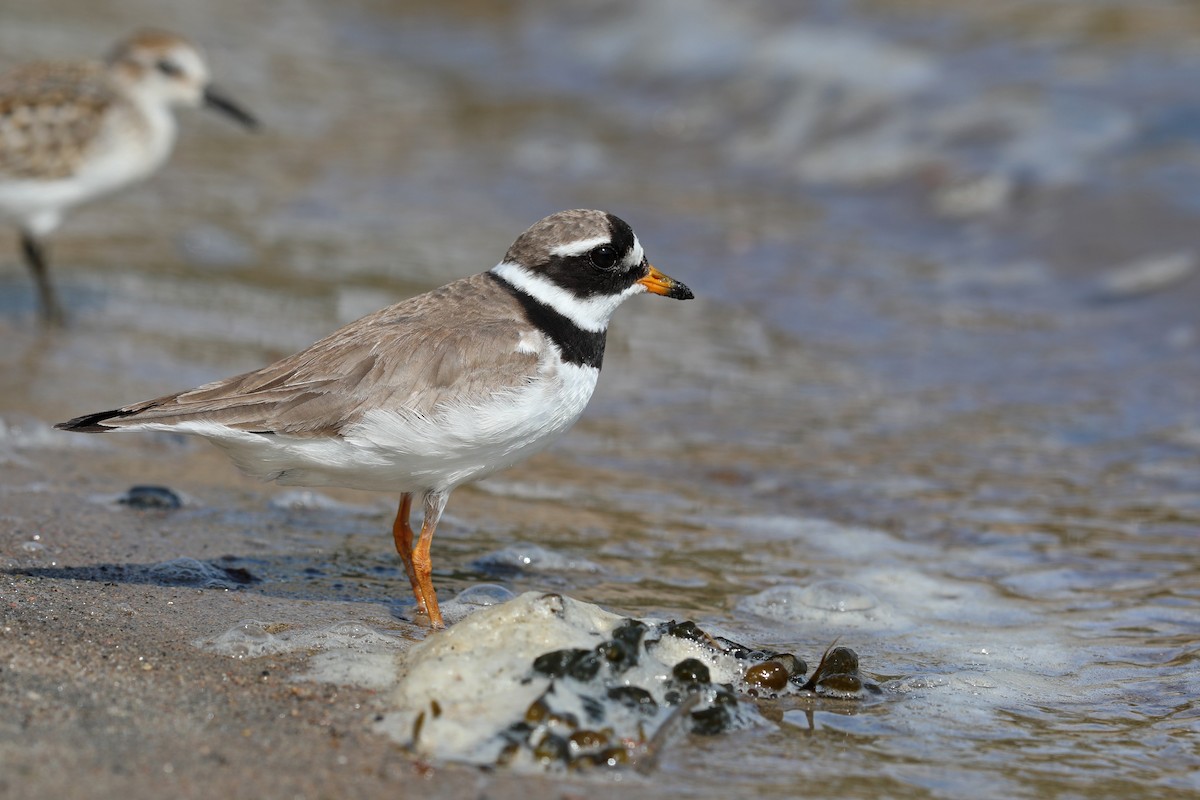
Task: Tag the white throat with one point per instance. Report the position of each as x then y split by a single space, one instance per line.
590 314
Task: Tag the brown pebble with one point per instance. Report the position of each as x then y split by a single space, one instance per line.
537 711
840 659
551 749
840 684
768 675
614 756
587 740
794 666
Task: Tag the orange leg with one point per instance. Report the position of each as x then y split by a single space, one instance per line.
403 535
418 564
423 564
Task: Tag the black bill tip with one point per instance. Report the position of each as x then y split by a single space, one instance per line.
664 285
218 102
680 291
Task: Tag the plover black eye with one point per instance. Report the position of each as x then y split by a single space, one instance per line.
604 256
169 68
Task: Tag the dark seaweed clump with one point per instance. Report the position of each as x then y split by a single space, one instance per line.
594 713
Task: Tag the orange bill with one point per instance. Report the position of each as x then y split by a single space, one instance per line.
658 283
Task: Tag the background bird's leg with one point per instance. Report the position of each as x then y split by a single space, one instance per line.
403 535
435 503
35 257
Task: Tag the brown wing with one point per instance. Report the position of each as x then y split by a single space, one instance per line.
49 113
455 344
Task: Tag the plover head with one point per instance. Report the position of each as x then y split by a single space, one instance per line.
583 263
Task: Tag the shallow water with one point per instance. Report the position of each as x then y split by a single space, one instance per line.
937 398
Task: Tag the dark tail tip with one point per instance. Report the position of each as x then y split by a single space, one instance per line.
90 423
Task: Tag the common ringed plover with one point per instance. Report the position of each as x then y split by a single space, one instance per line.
437 390
72 131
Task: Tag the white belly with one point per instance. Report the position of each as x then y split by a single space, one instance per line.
407 452
121 155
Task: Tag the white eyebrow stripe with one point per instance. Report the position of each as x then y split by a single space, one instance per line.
636 255
579 247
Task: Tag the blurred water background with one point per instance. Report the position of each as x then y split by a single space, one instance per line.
938 396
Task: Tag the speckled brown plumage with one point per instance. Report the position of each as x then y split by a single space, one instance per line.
74 131
50 115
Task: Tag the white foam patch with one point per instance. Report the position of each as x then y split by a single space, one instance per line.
889 598
525 490
823 536
525 556
840 596
874 583
476 597
308 500
970 648
916 593
190 572
1060 583
825 606
252 638
353 667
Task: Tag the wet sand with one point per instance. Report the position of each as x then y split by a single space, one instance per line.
106 694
